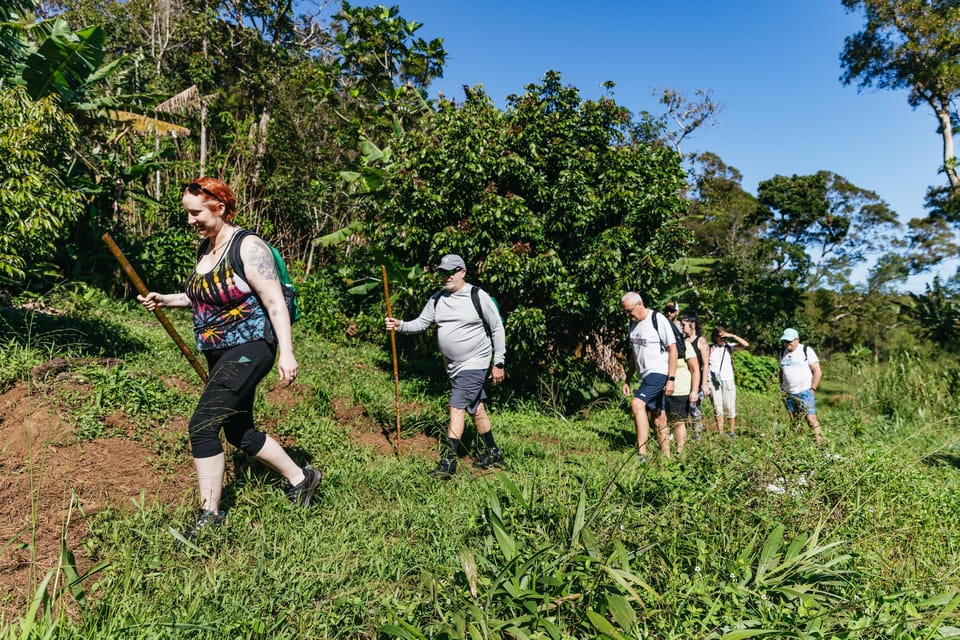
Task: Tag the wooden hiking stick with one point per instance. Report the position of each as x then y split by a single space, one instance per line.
142 290
393 347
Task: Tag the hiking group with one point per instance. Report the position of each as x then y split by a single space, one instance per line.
243 306
677 369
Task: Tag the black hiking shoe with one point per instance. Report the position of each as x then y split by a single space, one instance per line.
491 458
206 520
301 494
444 469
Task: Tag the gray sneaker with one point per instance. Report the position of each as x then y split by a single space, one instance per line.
302 493
206 520
444 469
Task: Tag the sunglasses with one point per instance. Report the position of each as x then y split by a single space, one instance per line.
195 188
446 273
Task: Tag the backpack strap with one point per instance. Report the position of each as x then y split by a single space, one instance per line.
653 318
234 251
475 297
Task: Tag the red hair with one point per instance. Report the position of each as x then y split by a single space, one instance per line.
214 189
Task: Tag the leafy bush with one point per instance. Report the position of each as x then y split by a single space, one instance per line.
556 204
756 373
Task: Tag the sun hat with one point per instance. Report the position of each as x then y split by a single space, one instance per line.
789 335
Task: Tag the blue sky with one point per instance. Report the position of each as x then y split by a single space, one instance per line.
773 65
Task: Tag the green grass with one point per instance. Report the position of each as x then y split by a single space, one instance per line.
762 535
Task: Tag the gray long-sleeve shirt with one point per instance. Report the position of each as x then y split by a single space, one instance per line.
460 333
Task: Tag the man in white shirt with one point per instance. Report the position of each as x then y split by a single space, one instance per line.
655 361
799 378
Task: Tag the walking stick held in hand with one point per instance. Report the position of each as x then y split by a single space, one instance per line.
142 290
393 347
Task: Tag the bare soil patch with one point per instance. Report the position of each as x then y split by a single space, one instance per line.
50 482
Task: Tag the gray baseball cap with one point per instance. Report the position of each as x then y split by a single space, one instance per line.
451 262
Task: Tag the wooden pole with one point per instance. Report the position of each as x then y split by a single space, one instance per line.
142 290
393 347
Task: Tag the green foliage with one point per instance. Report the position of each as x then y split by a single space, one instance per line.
766 535
163 258
36 202
756 372
936 313
556 208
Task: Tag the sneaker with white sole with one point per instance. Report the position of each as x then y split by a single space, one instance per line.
207 519
301 494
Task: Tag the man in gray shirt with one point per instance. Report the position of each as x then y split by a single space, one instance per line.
467 341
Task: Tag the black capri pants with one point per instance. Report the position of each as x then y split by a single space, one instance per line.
227 400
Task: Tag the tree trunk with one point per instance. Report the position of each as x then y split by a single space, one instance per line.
949 160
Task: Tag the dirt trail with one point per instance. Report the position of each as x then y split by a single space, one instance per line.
50 483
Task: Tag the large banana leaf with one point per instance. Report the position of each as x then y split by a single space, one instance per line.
65 62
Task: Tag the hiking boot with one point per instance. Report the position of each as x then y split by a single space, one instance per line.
444 469
491 458
641 458
300 494
206 520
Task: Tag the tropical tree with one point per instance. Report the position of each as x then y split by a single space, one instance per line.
821 226
36 201
912 45
557 209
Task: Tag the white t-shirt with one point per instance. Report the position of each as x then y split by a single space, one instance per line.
650 346
795 368
721 363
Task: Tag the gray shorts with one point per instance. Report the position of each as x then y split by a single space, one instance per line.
466 390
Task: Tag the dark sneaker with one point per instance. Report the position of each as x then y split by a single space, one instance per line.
444 469
492 458
301 494
206 520
641 458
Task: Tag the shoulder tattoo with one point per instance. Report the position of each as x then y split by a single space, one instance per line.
263 261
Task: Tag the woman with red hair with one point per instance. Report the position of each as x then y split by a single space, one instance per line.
242 326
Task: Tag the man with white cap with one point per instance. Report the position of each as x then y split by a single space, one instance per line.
470 333
799 378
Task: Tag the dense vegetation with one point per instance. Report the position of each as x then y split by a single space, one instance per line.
763 535
325 127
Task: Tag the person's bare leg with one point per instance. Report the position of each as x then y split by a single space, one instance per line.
210 480
642 424
273 455
680 435
481 420
814 423
731 424
458 419
663 432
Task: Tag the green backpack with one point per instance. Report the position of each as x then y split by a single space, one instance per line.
290 296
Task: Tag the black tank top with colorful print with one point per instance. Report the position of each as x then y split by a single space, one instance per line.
226 312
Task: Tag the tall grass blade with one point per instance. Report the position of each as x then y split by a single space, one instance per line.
579 518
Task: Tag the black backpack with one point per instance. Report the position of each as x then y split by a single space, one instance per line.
678 336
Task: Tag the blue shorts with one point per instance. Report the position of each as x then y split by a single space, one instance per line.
651 391
466 390
803 402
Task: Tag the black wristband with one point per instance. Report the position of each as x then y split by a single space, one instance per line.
671 378
499 365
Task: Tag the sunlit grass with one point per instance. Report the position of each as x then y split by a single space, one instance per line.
765 533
